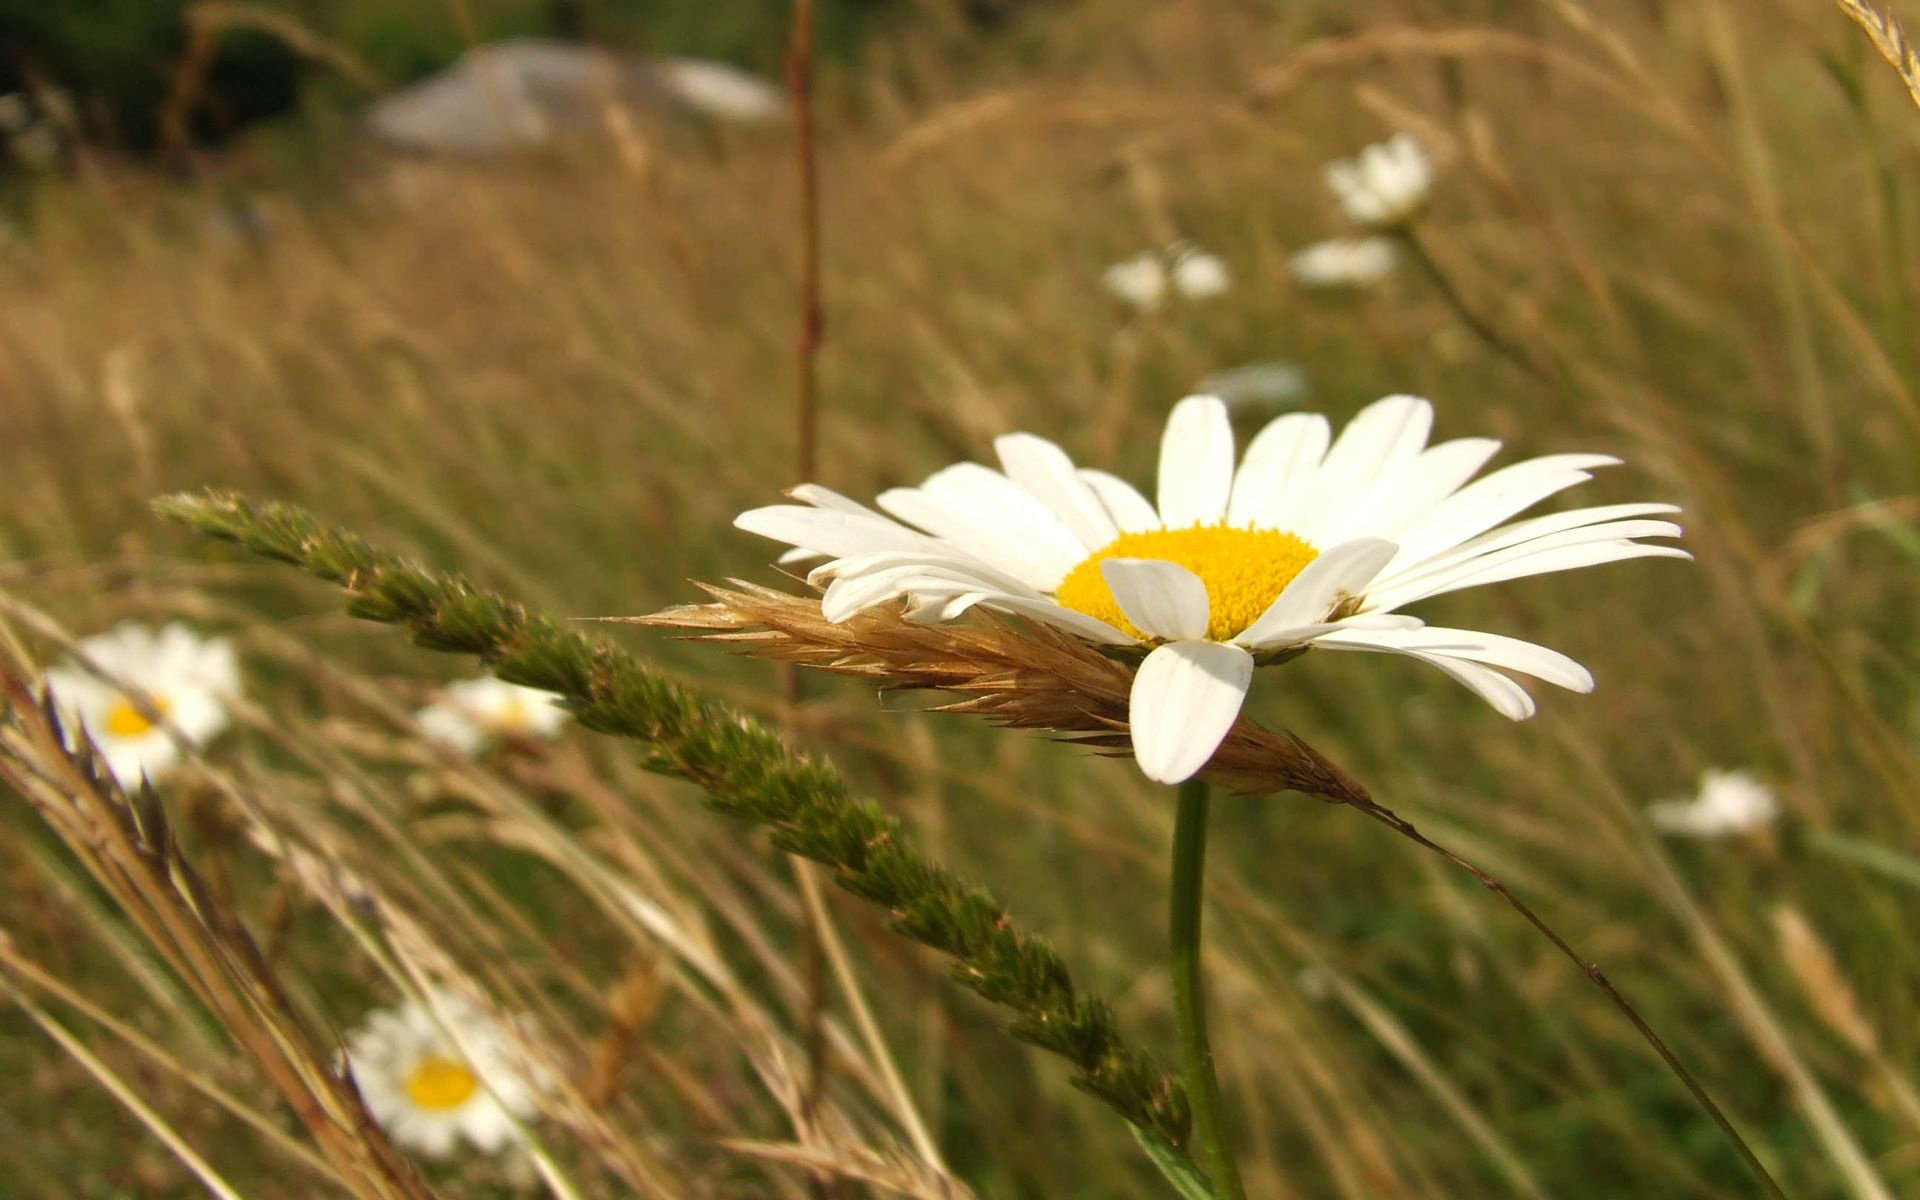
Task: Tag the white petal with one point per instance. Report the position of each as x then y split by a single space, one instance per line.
939 557
1196 463
1277 475
852 594
1381 440
1410 493
1486 502
1492 649
970 486
1044 470
1129 509
1508 698
197 714
835 533
1045 611
1162 599
824 497
1004 544
1516 532
1345 569
1301 635
1563 552
1185 698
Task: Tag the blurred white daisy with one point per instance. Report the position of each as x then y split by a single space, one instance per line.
1728 802
1145 280
434 1073
174 675
1197 274
1384 186
1268 386
1313 542
720 92
474 712
1344 262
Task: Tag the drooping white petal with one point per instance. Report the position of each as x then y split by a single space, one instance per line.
1184 700
1301 635
1508 698
1345 569
1162 599
1044 470
1131 511
1491 649
1196 463
1277 475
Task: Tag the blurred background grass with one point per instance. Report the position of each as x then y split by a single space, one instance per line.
563 374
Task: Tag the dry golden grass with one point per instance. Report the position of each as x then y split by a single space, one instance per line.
566 376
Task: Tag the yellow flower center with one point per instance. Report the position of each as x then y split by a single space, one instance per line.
512 716
1244 570
440 1084
124 720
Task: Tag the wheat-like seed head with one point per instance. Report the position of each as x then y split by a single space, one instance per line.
1023 676
1889 39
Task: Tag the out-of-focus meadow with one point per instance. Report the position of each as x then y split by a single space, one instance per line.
565 372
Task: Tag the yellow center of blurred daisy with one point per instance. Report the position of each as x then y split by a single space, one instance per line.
441 1083
512 716
124 720
1244 570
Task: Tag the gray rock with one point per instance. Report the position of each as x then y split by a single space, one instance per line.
528 93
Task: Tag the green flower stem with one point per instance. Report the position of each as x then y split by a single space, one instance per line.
1189 997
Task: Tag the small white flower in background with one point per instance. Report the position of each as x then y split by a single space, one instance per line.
1140 281
474 712
720 92
184 676
437 1072
1385 185
1198 275
1729 802
1344 262
1314 542
1145 280
1256 387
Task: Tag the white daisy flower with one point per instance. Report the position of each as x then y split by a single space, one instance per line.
1384 186
474 712
1344 262
173 674
1145 280
1140 281
434 1073
1728 802
1313 542
1257 386
1196 274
